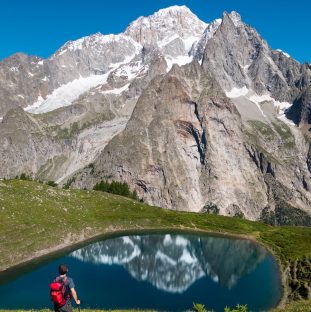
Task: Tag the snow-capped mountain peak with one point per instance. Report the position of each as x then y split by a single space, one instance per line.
175 20
95 41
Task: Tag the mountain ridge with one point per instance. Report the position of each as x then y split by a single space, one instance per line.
191 115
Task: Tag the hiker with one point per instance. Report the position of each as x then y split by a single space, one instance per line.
62 290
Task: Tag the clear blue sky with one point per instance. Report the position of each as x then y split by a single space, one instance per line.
39 27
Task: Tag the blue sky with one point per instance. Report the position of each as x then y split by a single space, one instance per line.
39 27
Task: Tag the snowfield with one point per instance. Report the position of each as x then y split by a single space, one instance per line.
66 94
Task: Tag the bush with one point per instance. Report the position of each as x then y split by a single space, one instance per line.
68 183
135 196
115 187
239 308
211 208
92 167
25 177
240 215
201 308
268 216
51 183
198 307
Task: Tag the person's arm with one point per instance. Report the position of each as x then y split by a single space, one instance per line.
74 295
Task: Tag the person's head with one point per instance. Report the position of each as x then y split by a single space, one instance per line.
63 269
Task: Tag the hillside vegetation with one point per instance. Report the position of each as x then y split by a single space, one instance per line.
37 219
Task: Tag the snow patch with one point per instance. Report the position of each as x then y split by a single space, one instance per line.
131 70
117 91
66 94
179 60
93 41
257 99
14 69
286 54
280 106
237 92
190 41
166 41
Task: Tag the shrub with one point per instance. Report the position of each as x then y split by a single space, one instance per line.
239 214
68 183
198 307
211 208
115 187
92 167
135 196
267 216
239 308
25 177
51 183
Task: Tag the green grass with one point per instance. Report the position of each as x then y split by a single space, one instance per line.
35 217
285 133
76 310
271 132
301 306
264 129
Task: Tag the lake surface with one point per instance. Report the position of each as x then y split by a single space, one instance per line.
165 272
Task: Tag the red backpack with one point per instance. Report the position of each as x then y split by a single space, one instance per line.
59 294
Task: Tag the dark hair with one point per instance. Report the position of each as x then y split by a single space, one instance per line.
62 269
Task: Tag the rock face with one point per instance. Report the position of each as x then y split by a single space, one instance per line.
239 57
300 111
172 151
192 115
176 22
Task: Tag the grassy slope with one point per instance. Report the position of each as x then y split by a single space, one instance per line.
35 217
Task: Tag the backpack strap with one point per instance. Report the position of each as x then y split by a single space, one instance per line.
64 280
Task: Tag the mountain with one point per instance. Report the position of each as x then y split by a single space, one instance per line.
193 116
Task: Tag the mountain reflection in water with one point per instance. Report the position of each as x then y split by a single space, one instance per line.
172 263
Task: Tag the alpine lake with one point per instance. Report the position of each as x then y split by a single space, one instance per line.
165 272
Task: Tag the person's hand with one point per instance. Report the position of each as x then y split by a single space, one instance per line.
78 302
